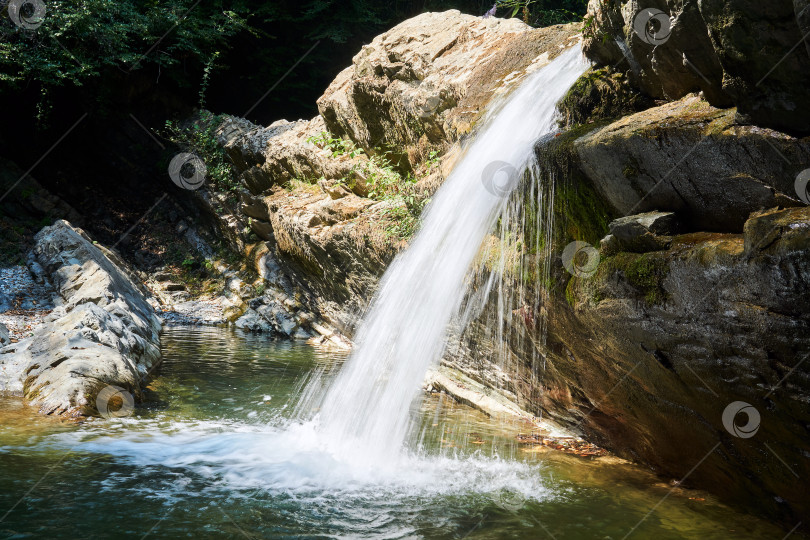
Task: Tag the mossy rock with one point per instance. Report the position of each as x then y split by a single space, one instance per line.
601 94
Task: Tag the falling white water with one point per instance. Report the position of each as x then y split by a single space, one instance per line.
366 410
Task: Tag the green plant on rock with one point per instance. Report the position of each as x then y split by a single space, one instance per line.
337 145
545 12
432 160
383 180
386 183
200 138
405 219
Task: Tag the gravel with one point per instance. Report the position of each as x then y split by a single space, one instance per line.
24 303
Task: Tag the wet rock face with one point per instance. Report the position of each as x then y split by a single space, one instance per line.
104 333
698 302
743 53
647 354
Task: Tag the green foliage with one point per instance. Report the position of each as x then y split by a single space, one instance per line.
544 12
433 159
200 139
383 180
218 51
386 183
206 79
80 40
336 145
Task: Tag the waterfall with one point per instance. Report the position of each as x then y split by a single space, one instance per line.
367 407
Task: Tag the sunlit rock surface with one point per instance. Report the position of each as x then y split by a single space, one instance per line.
103 333
424 83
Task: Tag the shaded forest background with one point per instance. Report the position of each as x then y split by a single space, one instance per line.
110 73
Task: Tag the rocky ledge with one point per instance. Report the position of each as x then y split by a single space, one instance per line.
102 333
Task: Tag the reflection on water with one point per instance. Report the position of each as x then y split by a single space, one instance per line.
214 453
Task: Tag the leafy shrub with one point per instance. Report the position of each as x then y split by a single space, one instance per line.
78 40
200 138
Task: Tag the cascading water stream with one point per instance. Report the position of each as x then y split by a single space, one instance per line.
366 410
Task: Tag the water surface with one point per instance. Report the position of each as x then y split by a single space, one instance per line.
213 453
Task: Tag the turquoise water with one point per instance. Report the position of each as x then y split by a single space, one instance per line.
213 453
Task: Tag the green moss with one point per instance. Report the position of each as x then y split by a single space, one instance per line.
570 292
601 94
630 169
645 272
580 212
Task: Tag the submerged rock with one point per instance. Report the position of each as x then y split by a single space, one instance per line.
105 332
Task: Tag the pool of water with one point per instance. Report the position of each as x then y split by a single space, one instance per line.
218 450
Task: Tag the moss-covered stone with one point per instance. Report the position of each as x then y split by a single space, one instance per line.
601 94
646 272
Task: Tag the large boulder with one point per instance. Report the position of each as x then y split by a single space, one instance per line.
104 334
741 52
424 83
693 159
697 303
